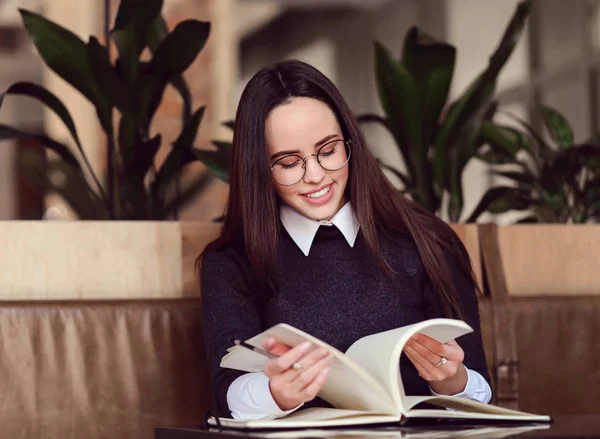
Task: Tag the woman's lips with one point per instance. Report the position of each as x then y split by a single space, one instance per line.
322 199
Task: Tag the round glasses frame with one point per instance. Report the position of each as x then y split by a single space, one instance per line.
347 143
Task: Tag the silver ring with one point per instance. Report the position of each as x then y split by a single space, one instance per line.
297 366
442 361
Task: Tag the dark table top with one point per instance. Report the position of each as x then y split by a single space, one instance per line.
561 427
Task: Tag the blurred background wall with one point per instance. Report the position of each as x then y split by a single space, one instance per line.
555 63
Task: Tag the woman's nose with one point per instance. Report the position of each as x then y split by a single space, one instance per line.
314 172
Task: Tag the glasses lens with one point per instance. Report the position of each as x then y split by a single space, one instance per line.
288 170
333 155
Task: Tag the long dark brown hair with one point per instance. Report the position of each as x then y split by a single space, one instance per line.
252 215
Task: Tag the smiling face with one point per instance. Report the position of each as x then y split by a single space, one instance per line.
301 127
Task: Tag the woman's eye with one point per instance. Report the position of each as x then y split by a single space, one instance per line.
288 164
328 151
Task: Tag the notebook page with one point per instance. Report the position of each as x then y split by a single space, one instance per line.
379 354
348 386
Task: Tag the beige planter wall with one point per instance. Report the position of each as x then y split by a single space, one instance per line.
66 260
550 260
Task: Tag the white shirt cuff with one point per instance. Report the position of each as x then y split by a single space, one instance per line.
249 397
477 388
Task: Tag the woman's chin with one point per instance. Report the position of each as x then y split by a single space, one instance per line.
322 212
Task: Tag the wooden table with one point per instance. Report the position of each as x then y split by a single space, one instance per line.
571 427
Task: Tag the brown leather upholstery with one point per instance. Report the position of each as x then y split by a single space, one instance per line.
108 369
546 357
487 336
558 354
117 369
101 369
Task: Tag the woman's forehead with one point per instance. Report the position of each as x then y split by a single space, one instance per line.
300 122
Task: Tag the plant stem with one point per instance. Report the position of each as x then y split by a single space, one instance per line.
106 26
113 186
113 197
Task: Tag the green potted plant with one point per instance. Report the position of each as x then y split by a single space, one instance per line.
134 254
436 138
555 180
130 89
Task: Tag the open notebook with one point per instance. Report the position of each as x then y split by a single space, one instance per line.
364 384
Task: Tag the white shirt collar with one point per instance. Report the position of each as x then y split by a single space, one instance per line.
303 229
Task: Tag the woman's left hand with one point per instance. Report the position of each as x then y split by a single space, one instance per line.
440 364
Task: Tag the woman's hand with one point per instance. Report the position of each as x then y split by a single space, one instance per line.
298 374
446 377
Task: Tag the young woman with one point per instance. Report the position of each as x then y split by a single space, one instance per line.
316 236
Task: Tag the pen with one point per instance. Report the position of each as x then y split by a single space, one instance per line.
254 348
296 365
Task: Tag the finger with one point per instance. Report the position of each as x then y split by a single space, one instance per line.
306 362
274 346
311 391
451 350
312 357
433 345
425 352
422 372
285 361
426 370
307 376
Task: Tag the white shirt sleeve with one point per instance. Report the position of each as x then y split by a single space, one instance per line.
249 397
477 388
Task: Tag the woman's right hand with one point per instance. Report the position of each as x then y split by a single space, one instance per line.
289 385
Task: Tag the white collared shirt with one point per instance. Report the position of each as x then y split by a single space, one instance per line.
249 396
303 229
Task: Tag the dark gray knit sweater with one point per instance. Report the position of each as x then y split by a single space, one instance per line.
337 294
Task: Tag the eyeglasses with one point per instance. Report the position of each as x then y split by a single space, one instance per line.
290 169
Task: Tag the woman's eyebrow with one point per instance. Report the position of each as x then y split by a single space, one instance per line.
290 152
325 139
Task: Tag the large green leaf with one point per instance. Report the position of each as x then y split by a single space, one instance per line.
150 90
476 100
189 132
158 32
65 54
186 196
171 58
231 124
501 199
128 138
457 118
49 99
558 127
529 219
143 156
61 50
431 64
511 36
403 178
496 157
540 150
506 138
218 162
362 118
107 80
214 161
398 96
134 20
181 47
53 103
179 156
523 178
10 133
72 187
